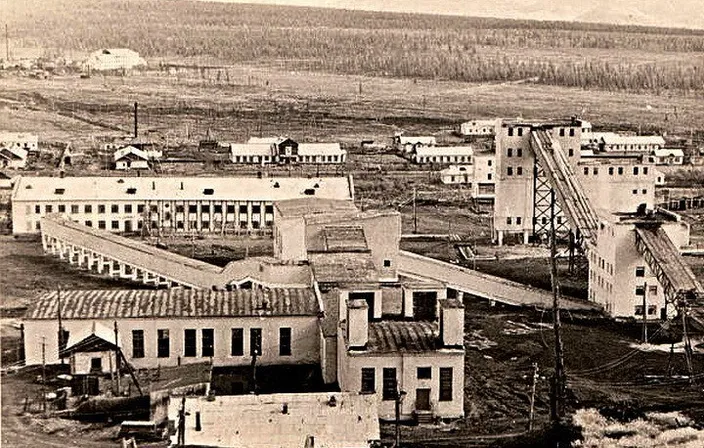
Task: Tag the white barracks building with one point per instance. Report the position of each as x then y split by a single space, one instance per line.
165 204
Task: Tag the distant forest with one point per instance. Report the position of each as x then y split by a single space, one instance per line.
590 56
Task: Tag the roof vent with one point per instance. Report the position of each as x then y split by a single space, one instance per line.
332 402
309 191
28 187
120 181
208 191
59 191
131 190
276 185
316 186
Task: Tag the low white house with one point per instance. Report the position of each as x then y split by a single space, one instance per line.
442 154
263 150
113 59
131 158
406 144
457 175
478 128
613 142
668 156
19 140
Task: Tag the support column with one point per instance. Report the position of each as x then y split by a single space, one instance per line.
61 249
500 237
101 264
526 236
45 243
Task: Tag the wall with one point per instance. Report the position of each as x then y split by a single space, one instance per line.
80 362
289 238
305 339
613 192
406 372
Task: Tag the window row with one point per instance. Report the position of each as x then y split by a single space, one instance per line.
518 170
128 208
390 387
190 342
509 152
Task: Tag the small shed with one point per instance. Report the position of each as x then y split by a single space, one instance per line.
91 352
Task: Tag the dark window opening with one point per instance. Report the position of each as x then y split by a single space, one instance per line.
208 336
424 373
284 341
189 343
162 344
138 343
389 383
368 380
237 346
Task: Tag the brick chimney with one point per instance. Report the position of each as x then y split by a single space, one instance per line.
451 323
357 324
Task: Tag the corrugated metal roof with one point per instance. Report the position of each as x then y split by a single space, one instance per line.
395 336
176 302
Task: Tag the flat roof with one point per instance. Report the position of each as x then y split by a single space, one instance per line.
344 239
255 421
178 188
174 303
313 205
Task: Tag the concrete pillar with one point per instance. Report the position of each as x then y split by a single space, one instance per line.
101 264
45 243
526 235
500 237
61 250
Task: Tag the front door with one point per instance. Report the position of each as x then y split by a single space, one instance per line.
422 399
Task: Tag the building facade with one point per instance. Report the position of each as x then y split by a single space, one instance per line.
442 154
165 204
284 150
486 128
21 140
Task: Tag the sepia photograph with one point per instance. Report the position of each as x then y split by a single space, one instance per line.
352 223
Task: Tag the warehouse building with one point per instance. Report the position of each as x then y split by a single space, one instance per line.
165 204
265 150
441 154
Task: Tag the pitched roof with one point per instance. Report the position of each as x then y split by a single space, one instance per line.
129 188
251 149
408 140
129 150
343 267
320 148
344 239
175 303
310 206
444 151
396 336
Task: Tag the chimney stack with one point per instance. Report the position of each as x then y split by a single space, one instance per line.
452 323
357 324
135 120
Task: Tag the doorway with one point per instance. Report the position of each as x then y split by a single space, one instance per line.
422 399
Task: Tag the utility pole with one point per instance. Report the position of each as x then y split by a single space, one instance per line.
397 414
182 423
532 396
558 386
687 345
61 328
117 361
7 44
645 313
415 215
43 374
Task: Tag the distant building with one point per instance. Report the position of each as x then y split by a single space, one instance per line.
441 154
457 175
285 150
669 156
20 140
406 144
13 157
479 128
165 204
113 59
131 158
613 142
478 176
330 419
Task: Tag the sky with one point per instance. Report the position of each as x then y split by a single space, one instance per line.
670 13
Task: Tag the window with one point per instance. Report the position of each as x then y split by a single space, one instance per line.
488 163
237 342
38 209
635 170
509 220
140 208
96 364
509 171
230 209
653 289
162 343
644 191
243 209
368 380
62 208
217 208
510 132
652 309
645 170
389 383
570 152
153 209
189 343
255 341
586 170
269 209
256 209
101 224
635 191
519 152
179 209
595 171
488 176
518 220
128 208
519 171
205 208
640 290
611 171
509 152
639 310
620 170
208 336
115 225
562 132
284 342
640 271
89 223
387 263
445 383
114 208
101 208
571 132
192 208
424 373
138 343
74 209
520 131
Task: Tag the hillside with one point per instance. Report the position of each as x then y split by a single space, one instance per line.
590 56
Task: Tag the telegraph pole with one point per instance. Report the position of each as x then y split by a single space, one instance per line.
645 313
557 402
532 397
7 44
44 374
61 328
117 360
415 215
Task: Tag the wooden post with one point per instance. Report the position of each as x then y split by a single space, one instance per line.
532 396
559 380
397 415
61 329
117 361
43 374
415 215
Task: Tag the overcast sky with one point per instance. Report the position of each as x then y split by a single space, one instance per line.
677 13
